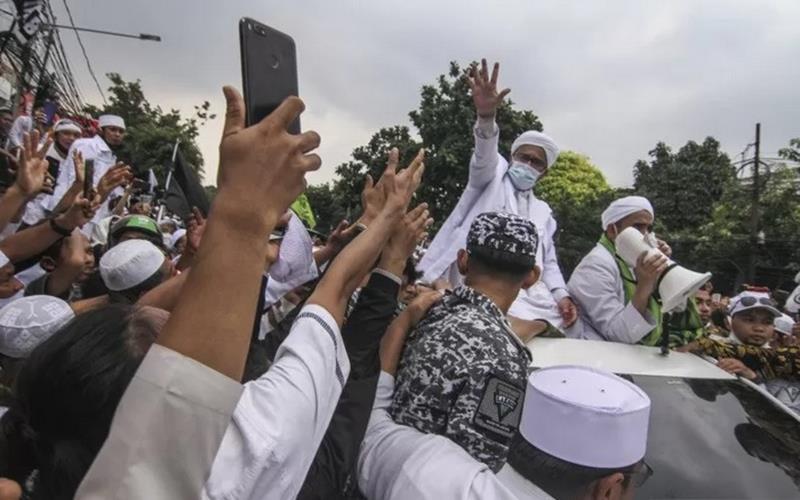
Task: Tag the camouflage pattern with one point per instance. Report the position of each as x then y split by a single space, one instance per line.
509 237
463 376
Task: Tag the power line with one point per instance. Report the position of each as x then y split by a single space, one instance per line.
85 55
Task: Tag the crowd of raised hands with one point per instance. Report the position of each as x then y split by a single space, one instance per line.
181 412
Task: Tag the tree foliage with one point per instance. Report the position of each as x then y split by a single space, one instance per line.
683 186
722 245
578 193
152 132
792 152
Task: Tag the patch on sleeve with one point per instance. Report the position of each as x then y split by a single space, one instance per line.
500 407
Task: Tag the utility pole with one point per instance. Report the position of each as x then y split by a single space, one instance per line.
755 218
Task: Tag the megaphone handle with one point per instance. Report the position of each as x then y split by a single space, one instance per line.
665 319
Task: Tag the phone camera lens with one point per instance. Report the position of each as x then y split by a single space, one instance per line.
274 61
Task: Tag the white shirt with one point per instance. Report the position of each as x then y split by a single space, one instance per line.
94 148
596 285
399 462
282 417
489 190
165 432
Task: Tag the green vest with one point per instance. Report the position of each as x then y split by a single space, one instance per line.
683 327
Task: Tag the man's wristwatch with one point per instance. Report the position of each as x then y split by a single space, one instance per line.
58 229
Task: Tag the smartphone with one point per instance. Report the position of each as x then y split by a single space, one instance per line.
88 178
269 70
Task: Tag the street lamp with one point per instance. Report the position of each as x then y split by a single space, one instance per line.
140 36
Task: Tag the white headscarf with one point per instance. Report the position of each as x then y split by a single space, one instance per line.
534 138
623 207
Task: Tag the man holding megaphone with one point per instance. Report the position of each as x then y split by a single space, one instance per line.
622 291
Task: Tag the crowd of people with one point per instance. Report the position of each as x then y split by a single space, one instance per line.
237 354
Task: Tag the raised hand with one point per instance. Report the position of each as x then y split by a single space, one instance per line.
408 232
80 167
485 96
116 176
373 196
262 167
32 165
400 186
81 212
195 230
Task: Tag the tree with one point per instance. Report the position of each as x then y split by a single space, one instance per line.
683 186
444 122
152 132
722 245
578 193
792 152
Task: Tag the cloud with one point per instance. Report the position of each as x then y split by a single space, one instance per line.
608 79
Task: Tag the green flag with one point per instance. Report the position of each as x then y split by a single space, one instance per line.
302 208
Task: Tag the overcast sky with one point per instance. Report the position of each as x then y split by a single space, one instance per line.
608 79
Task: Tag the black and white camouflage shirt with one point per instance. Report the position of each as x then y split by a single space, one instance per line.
463 375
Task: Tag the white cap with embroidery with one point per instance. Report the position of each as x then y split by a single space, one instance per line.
29 321
586 417
129 264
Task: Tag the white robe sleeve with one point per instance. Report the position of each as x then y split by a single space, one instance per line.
397 462
483 163
595 285
551 272
280 420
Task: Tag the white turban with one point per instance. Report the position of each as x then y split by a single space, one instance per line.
534 138
111 121
623 207
66 125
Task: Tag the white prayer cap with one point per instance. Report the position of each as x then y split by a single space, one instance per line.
586 417
534 138
111 121
29 321
753 300
66 125
4 259
175 237
623 207
129 264
783 324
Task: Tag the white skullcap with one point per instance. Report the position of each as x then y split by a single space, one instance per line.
27 276
4 259
623 207
129 264
534 138
585 416
783 324
753 300
29 321
66 125
176 236
111 121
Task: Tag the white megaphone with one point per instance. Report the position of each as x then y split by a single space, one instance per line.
676 284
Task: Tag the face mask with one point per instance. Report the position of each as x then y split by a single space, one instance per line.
522 176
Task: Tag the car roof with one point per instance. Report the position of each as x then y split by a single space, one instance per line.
622 359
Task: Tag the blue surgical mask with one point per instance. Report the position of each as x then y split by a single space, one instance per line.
522 176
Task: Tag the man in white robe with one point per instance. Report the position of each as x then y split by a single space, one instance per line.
496 186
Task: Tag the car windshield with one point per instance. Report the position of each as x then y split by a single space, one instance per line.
718 439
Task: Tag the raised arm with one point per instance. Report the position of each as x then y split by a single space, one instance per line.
262 170
486 99
356 260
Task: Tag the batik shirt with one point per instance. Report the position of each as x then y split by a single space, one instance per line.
462 375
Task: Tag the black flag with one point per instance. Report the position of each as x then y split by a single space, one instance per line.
185 190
